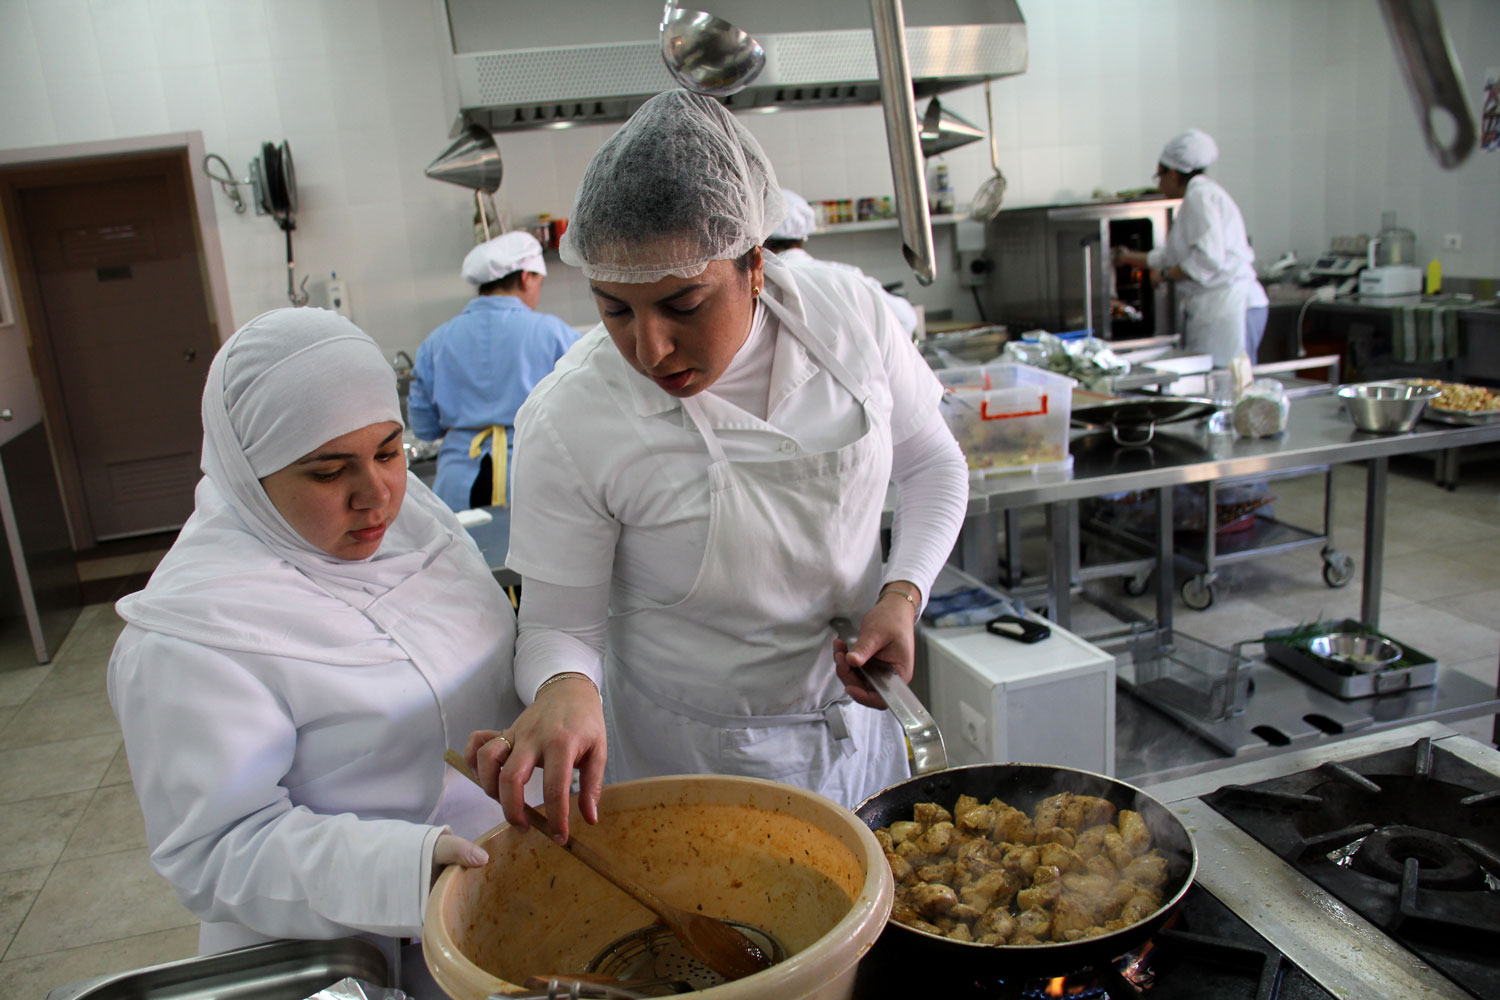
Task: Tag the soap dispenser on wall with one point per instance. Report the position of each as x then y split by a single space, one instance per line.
332 293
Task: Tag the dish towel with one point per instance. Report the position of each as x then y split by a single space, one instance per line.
1426 332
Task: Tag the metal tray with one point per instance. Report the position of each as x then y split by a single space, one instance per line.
280 970
1285 648
1462 418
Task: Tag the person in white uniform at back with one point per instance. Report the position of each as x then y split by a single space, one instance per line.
322 629
788 243
1207 253
699 490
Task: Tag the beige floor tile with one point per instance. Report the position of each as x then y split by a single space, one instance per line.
1480 607
111 822
49 720
1481 728
55 768
1429 575
108 568
32 978
19 684
119 770
34 831
18 890
97 899
1434 631
78 675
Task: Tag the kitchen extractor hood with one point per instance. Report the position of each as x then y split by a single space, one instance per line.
523 65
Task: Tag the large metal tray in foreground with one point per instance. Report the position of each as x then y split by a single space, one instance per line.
281 970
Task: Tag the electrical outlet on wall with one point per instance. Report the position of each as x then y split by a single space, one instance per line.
973 268
1453 241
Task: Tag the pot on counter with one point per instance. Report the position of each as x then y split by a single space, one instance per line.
770 855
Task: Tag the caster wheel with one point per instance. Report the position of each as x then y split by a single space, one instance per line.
1198 595
1338 569
1135 586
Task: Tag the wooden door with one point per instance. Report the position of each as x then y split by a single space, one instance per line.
123 319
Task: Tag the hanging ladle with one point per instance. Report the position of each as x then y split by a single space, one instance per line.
707 54
710 940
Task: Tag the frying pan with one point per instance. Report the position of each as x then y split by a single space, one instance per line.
938 960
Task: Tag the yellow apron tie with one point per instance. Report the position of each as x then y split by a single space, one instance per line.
497 460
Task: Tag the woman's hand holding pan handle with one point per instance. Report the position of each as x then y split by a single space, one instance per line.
888 633
563 729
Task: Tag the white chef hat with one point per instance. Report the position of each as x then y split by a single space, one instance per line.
682 183
1189 151
517 251
799 221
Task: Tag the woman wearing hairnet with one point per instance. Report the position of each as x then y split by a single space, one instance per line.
322 629
1208 254
699 486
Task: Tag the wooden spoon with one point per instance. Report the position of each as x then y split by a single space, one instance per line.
713 942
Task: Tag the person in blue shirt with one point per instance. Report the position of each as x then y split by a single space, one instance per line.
473 373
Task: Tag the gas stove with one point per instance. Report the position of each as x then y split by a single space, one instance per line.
1372 864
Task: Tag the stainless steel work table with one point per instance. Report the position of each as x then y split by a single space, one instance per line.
1318 433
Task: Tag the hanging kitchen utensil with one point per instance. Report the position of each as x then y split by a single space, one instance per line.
987 199
471 161
278 196
943 130
707 54
1432 78
900 109
712 941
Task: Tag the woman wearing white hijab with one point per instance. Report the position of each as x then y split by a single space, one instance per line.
1208 254
320 632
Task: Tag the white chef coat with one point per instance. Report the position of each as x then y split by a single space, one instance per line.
1208 241
286 744
625 496
906 313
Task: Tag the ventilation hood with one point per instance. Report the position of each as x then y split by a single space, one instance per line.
527 65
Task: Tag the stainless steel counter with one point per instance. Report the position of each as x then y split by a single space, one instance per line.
1318 432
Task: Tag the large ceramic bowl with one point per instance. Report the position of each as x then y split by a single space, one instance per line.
791 862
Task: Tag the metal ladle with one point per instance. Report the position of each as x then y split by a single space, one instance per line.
707 54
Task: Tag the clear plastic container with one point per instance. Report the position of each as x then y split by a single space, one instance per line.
1393 245
1009 418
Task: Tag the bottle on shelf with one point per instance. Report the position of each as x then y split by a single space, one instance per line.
941 199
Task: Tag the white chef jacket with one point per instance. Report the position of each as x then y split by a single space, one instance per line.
287 746
905 312
623 491
626 498
1208 241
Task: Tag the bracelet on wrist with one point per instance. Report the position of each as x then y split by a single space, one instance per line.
901 592
562 677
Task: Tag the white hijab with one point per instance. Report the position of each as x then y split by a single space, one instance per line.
239 576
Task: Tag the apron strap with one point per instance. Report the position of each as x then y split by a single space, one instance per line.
831 713
498 459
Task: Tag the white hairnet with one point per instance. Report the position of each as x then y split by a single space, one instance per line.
682 183
1189 151
503 255
799 221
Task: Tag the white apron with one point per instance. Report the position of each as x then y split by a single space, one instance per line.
738 676
1213 320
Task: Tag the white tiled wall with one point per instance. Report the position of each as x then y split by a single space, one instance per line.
1305 98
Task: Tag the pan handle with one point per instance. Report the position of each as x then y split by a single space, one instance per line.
923 737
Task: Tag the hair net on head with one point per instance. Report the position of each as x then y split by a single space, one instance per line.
503 255
799 221
1189 151
682 183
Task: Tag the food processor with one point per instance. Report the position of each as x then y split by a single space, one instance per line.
1392 265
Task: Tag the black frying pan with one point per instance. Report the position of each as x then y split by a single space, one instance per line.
938 961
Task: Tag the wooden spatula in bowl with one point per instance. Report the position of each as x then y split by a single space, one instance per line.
716 944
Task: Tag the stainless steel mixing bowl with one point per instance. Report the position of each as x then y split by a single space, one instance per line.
1385 407
1365 653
